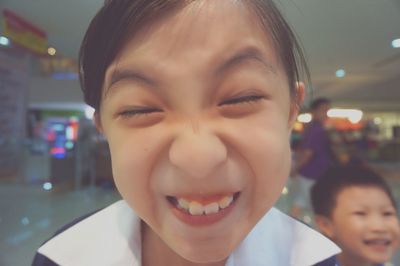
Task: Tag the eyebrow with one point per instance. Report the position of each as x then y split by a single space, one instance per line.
238 58
243 55
119 74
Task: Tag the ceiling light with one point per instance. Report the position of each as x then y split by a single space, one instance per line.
51 51
304 118
47 186
396 43
340 73
353 115
4 41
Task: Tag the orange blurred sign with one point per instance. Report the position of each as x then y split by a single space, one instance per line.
344 124
23 33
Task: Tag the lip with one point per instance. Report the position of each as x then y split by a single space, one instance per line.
203 220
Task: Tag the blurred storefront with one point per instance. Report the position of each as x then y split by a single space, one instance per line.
46 132
375 137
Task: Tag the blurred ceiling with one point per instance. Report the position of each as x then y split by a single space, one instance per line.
354 35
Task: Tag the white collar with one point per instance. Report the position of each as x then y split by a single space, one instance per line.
112 237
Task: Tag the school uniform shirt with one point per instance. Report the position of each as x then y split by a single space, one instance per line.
334 259
112 237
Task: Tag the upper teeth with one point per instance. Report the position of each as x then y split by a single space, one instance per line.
196 208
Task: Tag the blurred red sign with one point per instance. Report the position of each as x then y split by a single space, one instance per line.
23 33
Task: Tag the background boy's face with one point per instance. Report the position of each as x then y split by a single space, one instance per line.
364 224
198 110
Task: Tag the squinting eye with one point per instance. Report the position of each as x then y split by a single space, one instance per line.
360 213
138 112
389 213
243 99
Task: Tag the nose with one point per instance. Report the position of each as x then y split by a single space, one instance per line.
196 152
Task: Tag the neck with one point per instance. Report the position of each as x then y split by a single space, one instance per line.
156 252
348 260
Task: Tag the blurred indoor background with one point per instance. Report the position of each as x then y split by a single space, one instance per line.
54 166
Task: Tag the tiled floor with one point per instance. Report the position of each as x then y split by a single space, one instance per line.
29 214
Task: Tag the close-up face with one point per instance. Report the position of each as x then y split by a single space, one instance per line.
365 225
198 114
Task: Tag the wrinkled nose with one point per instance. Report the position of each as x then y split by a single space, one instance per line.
197 153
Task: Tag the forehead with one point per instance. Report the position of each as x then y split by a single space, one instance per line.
204 31
356 196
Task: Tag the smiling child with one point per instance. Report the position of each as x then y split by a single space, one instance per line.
355 208
197 100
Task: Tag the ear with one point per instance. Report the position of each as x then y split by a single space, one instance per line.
296 102
325 225
97 122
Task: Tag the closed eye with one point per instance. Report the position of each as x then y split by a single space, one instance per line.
140 111
359 213
242 99
389 213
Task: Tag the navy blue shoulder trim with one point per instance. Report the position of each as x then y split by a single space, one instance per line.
328 262
41 260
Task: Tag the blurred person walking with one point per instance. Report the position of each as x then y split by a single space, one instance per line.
313 158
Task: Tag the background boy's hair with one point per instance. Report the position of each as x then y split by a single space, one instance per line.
325 191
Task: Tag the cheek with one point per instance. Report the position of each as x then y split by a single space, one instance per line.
271 167
265 146
349 231
396 231
133 158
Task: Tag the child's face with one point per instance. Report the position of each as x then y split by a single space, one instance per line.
199 112
364 224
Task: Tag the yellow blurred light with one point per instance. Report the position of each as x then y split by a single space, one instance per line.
298 126
51 51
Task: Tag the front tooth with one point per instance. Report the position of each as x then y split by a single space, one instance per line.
183 203
224 202
196 208
211 208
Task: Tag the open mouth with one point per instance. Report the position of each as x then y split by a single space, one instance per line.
378 242
203 206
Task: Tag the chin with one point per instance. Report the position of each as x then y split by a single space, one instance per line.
200 255
379 261
204 259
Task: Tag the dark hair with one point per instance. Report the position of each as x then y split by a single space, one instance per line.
325 191
316 103
119 20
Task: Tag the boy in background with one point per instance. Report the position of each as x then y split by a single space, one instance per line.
355 208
